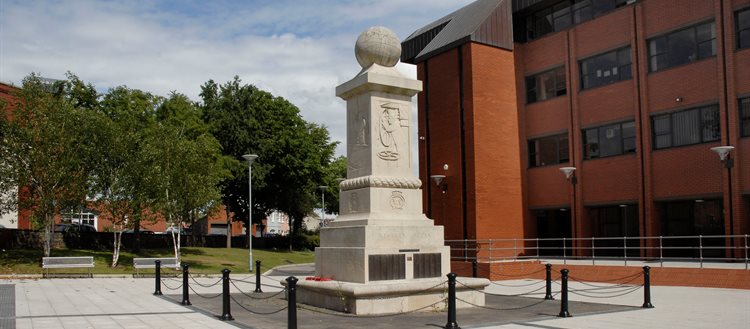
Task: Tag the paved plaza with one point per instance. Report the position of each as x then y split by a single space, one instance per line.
125 302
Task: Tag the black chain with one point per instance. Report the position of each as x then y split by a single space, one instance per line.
204 285
256 312
516 286
607 290
504 309
635 275
262 284
503 295
168 287
517 275
613 296
253 297
204 296
345 315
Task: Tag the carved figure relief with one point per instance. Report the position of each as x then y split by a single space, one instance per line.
397 200
361 129
390 122
353 203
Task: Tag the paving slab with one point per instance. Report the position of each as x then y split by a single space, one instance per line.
130 303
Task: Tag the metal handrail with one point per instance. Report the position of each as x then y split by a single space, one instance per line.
699 248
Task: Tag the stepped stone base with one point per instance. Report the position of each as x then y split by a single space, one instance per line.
389 297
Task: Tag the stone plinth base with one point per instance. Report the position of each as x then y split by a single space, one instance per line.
388 297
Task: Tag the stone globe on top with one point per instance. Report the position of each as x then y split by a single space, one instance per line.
377 45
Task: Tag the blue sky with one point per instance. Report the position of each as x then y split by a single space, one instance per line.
300 50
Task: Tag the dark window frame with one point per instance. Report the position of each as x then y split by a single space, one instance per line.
624 149
671 129
621 67
744 116
654 54
569 8
537 88
562 150
739 31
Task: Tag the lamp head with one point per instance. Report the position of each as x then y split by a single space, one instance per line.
723 151
250 157
568 171
438 179
323 187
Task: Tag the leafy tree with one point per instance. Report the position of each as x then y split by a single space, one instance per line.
188 161
292 152
334 173
123 181
48 149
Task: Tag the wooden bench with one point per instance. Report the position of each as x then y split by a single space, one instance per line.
140 263
67 262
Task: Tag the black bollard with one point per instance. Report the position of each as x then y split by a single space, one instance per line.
647 287
451 324
185 285
157 275
291 296
257 276
564 301
474 266
548 294
226 315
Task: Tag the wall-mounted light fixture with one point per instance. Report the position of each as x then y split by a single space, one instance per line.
678 99
723 152
569 174
438 179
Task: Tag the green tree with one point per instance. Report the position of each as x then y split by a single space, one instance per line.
188 161
293 153
335 172
48 149
123 179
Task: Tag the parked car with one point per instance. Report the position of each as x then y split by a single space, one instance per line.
183 231
141 232
74 228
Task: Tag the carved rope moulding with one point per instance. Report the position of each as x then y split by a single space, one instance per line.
381 181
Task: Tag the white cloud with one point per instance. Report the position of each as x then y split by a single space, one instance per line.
300 50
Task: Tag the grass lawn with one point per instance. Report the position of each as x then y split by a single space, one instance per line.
201 260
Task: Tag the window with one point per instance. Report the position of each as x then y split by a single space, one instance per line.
682 47
545 85
693 126
745 117
606 68
692 218
615 221
564 14
609 140
82 217
742 22
548 150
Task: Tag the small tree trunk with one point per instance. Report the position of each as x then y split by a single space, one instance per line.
229 228
48 234
116 253
137 234
291 232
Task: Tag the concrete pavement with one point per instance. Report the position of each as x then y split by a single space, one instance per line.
129 303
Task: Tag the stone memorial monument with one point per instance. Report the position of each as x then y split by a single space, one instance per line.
382 253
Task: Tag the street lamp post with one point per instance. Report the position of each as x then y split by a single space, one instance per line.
323 206
726 159
250 158
569 173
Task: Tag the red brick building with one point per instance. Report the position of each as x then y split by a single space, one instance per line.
632 93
